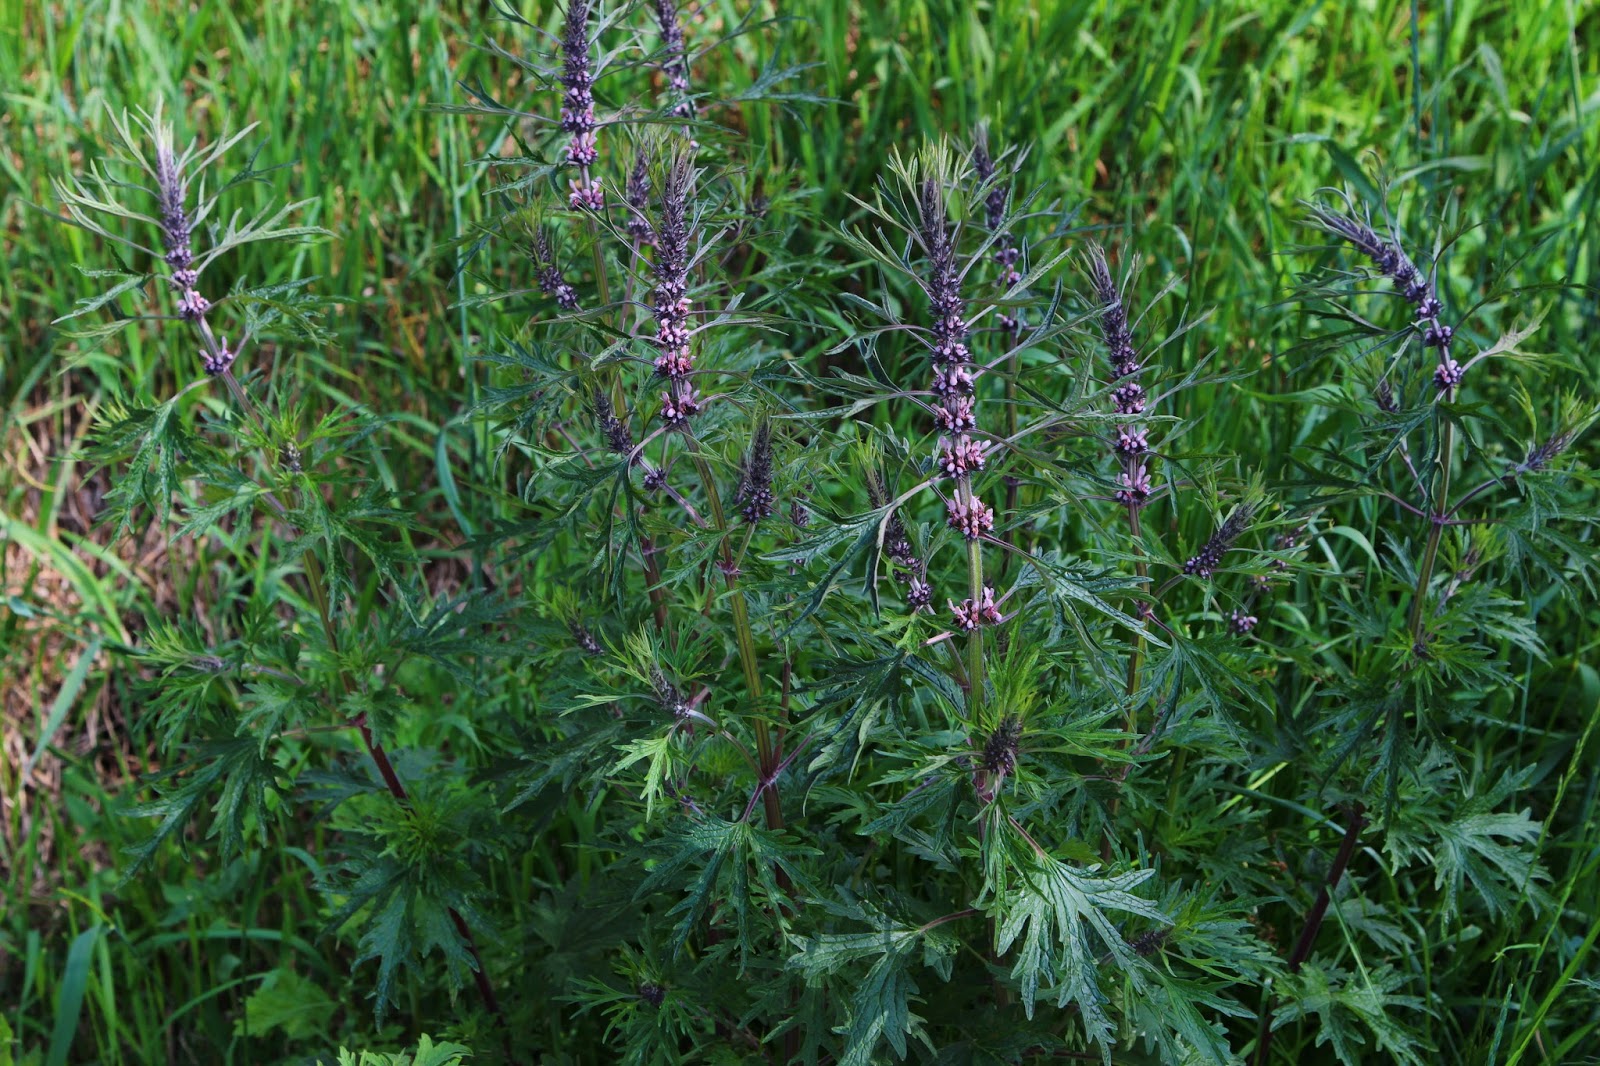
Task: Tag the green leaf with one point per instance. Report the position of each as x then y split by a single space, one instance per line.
244 775
1349 1009
286 1001
1059 913
727 854
69 1002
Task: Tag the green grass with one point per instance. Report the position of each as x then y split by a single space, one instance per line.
1192 129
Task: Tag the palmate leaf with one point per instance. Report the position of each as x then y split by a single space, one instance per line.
354 522
1486 848
880 1010
880 1006
163 452
1469 842
427 1054
455 634
1177 999
286 308
561 763
1220 686
288 1001
404 888
1073 587
864 535
848 701
656 752
577 487
1349 1008
1059 914
129 282
238 767
727 853
230 492
1181 1017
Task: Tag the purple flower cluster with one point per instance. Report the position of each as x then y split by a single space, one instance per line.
674 359
1541 455
971 517
1000 750
970 614
217 360
1242 621
637 194
1209 558
799 513
577 107
899 550
1411 282
1283 542
548 274
1132 442
674 58
177 230
583 638
755 486
619 439
668 698
960 454
1005 251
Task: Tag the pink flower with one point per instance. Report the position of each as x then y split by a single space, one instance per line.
972 519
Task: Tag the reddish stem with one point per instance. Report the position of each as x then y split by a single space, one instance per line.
380 758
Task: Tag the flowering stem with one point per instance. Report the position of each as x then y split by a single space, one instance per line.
600 264
975 640
1136 656
1011 431
1430 554
745 638
618 400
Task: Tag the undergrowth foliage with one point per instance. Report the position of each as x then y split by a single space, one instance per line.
864 665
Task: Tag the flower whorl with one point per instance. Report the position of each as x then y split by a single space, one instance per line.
755 486
1209 558
675 58
1006 253
548 275
577 106
637 194
670 300
177 230
1410 281
1132 442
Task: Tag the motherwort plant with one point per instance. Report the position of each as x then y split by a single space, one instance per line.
1475 543
257 687
640 411
989 764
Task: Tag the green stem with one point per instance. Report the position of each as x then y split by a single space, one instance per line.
618 400
975 638
1430 554
744 637
1011 484
600 279
1136 657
